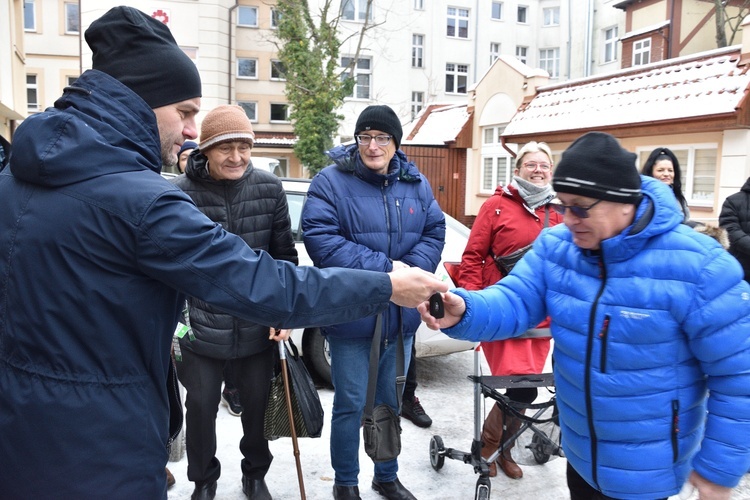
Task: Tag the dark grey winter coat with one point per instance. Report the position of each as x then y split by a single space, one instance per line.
735 218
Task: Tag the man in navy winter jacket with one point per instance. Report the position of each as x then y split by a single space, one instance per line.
97 254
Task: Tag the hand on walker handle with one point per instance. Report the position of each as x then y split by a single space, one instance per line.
279 335
412 286
706 489
454 308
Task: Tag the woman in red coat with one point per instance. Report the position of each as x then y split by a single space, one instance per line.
507 223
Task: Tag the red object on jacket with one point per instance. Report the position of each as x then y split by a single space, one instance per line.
505 224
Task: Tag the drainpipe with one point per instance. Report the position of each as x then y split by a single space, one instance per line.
476 40
671 30
588 34
570 38
229 53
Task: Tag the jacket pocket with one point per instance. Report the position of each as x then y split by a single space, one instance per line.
675 428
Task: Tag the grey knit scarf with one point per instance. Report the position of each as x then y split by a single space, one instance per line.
534 196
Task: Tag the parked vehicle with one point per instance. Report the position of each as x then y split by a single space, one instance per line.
427 342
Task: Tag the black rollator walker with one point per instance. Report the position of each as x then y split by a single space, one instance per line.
542 445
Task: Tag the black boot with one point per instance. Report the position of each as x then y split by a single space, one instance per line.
255 489
204 491
345 492
392 490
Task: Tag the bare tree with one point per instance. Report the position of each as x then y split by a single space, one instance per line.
729 17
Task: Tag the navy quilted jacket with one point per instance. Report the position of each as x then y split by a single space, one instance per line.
359 219
642 331
97 253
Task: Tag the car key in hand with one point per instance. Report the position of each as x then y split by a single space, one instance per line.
436 306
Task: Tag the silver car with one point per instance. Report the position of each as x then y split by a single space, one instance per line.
427 342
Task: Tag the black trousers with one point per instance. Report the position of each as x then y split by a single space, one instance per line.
202 377
411 376
581 490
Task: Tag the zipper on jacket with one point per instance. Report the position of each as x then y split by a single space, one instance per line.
587 372
603 334
675 428
387 216
398 219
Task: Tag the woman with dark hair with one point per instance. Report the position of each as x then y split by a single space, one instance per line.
662 164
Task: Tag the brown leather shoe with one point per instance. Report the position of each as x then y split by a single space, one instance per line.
170 478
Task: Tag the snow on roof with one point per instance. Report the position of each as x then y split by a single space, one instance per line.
674 89
440 126
645 29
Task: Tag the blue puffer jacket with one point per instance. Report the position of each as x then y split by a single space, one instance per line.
642 330
97 254
359 219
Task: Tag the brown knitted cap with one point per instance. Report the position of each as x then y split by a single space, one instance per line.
225 123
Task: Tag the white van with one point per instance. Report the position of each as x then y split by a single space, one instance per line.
267 164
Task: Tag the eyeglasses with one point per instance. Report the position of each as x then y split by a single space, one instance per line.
380 140
534 165
580 212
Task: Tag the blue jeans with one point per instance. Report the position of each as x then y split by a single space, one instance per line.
350 360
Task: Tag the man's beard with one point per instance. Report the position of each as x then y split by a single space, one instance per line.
168 158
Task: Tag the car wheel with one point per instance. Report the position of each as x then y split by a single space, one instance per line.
315 349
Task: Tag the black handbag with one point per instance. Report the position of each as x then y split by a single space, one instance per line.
306 408
381 426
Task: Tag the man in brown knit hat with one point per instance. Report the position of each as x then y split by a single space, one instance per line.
251 204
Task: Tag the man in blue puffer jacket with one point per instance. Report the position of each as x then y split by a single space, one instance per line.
371 209
650 321
97 254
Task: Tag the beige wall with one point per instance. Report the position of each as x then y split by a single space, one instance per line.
648 16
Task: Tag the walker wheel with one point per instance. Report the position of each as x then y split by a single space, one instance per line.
483 489
437 450
537 448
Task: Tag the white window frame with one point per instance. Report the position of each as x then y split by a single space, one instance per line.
254 76
494 51
278 66
551 16
271 107
549 60
417 103
417 50
70 80
497 7
29 16
72 19
275 18
362 77
250 108
456 72
456 16
641 52
686 154
354 11
497 163
609 44
32 89
522 11
244 10
522 54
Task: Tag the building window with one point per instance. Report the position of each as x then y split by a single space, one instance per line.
494 51
247 67
496 170
362 76
251 109
71 19
698 164
278 71
355 10
32 93
70 80
275 16
549 60
247 16
456 78
642 52
417 51
551 16
610 44
497 10
417 103
523 12
458 23
279 112
521 53
418 4
29 16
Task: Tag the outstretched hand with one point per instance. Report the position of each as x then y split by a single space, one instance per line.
454 307
412 286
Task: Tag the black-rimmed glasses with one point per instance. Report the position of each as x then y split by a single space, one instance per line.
580 212
380 140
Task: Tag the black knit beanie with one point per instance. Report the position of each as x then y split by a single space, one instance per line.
380 117
141 52
596 166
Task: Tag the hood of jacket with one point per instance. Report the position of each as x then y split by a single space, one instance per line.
347 159
73 141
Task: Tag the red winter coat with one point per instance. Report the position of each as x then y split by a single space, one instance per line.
505 224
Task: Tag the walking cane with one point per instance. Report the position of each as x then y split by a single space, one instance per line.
290 412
